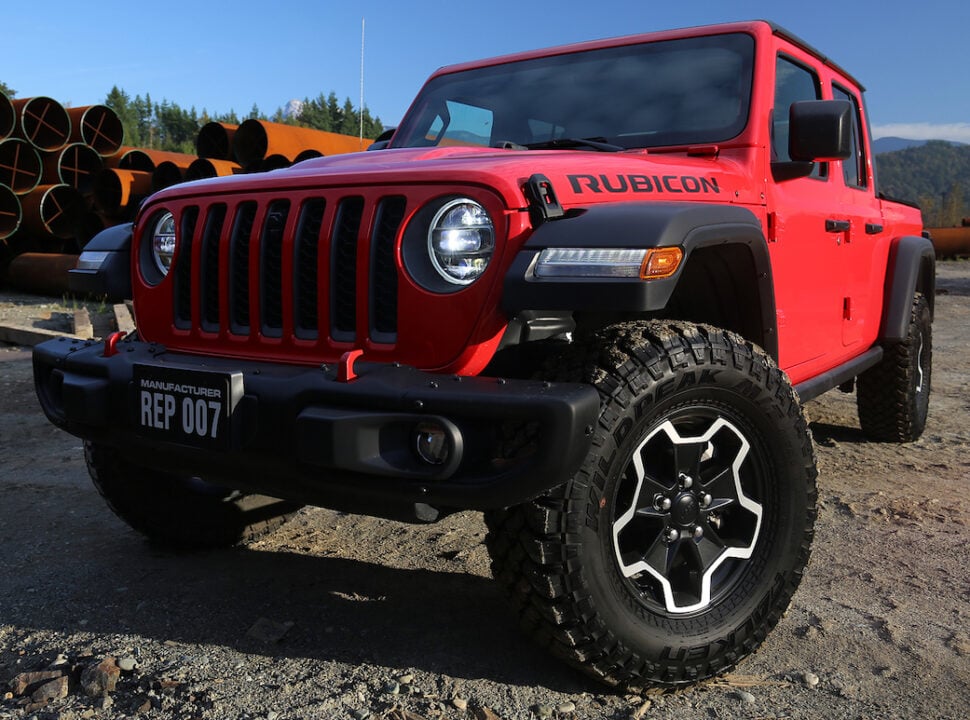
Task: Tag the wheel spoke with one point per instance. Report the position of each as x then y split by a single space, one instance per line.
660 556
723 485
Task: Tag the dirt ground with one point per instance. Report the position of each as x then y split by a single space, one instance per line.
338 616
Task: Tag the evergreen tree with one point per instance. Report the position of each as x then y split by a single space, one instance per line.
167 126
7 90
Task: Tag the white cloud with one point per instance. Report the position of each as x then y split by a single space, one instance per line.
956 132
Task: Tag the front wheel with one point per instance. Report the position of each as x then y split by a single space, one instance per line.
181 512
679 544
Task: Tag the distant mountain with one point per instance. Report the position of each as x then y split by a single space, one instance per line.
892 144
934 174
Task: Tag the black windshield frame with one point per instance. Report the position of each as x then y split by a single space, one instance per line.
686 91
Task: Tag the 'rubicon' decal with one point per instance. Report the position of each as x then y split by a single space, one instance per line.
643 184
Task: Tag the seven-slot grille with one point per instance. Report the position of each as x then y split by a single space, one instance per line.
289 267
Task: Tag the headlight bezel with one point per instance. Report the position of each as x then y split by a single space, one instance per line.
152 266
155 232
422 259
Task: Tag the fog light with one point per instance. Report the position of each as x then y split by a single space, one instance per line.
431 443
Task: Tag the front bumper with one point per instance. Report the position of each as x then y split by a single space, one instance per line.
300 434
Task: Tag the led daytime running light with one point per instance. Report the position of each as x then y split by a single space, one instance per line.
647 264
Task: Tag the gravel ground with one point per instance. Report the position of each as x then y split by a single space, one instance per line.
339 616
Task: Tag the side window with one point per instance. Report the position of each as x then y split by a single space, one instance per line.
854 166
793 82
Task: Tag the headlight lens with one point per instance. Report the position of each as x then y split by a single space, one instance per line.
461 241
163 242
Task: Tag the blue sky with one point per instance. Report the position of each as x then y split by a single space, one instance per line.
912 57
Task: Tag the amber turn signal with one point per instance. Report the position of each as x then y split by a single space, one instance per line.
661 263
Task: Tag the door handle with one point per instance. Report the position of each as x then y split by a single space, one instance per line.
837 226
873 228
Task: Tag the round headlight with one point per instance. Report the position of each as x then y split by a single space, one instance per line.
163 241
461 241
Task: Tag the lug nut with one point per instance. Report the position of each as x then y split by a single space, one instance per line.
686 481
698 532
672 535
706 500
661 503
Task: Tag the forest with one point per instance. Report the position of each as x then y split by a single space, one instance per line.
935 176
166 125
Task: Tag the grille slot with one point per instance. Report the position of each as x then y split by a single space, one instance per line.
343 270
306 253
383 283
183 271
271 268
214 221
242 231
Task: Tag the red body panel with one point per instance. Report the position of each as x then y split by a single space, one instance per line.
828 285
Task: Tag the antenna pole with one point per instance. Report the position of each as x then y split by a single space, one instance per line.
361 113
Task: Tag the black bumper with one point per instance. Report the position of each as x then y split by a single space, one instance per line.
299 433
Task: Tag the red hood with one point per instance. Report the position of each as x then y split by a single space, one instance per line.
579 177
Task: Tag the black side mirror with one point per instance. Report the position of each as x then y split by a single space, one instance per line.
820 130
382 140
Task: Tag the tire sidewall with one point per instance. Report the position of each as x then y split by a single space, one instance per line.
711 639
921 358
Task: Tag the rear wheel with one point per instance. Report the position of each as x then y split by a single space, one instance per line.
681 540
894 396
181 512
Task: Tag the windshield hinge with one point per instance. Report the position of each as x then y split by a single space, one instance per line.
543 205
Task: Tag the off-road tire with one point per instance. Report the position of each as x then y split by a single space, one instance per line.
893 396
181 513
561 556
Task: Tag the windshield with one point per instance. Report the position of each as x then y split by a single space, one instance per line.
675 92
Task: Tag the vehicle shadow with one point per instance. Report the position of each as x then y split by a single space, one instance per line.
111 583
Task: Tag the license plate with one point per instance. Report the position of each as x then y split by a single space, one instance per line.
188 407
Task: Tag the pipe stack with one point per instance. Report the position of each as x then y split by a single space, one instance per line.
65 175
49 159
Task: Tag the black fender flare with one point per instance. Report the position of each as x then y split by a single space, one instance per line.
911 268
690 226
111 277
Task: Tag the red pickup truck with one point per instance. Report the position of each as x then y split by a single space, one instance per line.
583 289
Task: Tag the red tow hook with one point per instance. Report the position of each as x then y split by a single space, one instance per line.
345 367
111 343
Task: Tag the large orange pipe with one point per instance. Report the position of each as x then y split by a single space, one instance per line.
41 273
8 116
207 168
43 122
130 158
53 211
257 139
98 126
146 160
117 191
951 241
166 174
214 141
20 166
76 165
10 212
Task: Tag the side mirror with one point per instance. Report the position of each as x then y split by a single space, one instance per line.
382 140
820 130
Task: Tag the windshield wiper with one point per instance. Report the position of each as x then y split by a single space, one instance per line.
593 143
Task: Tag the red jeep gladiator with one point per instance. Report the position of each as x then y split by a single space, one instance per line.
583 289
